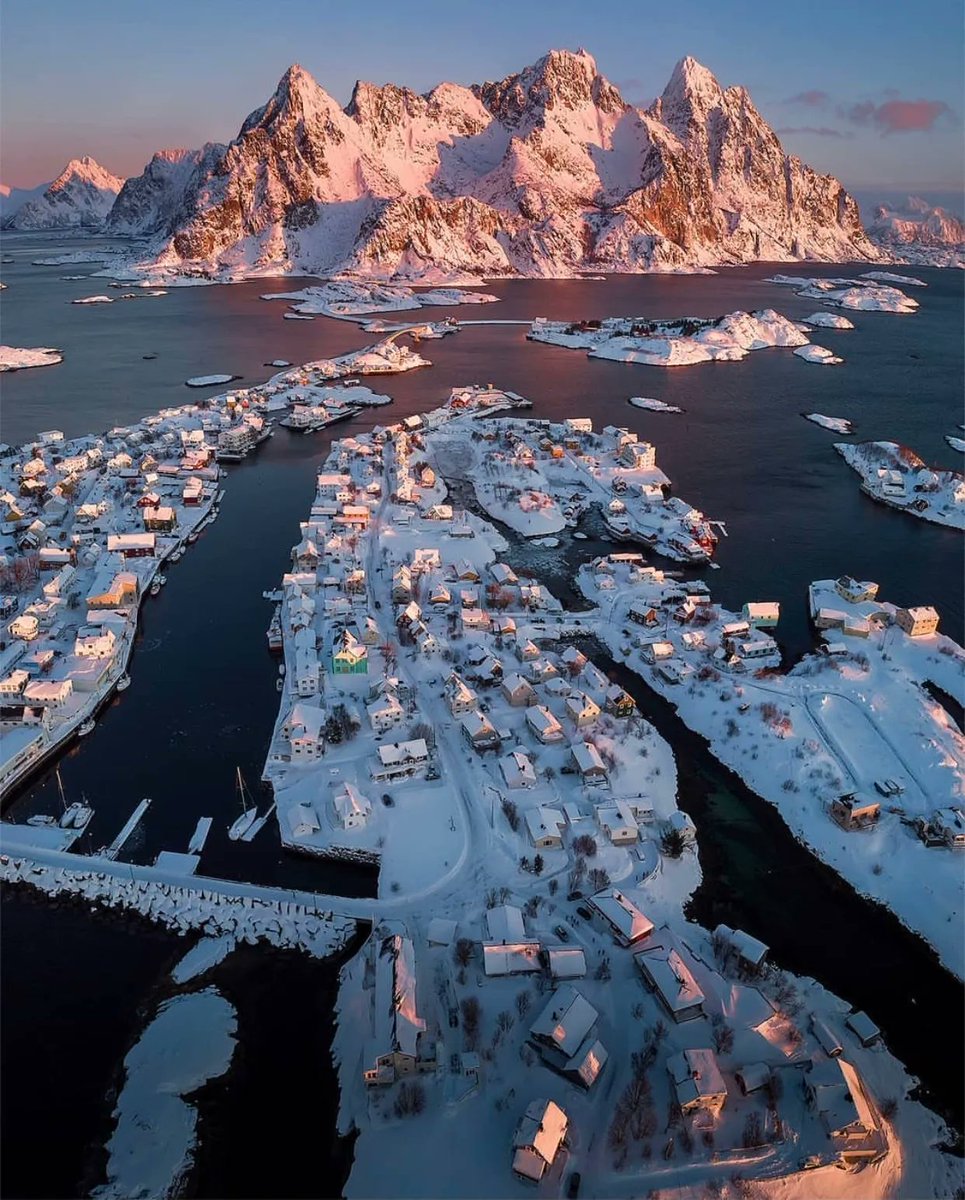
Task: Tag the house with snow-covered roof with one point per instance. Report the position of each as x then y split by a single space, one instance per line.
564 1033
545 827
543 724
666 973
352 809
581 709
537 1140
400 1045
517 770
697 1080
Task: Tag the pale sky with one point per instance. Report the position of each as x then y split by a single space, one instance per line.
869 90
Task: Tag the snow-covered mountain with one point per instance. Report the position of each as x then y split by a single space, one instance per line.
12 199
918 233
546 172
81 196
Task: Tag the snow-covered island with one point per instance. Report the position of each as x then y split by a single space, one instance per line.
896 476
530 992
15 358
836 424
652 405
828 320
865 294
351 299
673 343
826 741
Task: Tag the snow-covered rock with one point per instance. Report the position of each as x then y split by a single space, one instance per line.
547 172
201 381
828 320
837 424
818 354
81 196
12 358
859 294
94 300
652 405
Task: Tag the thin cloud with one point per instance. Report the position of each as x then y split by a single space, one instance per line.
810 99
898 116
815 130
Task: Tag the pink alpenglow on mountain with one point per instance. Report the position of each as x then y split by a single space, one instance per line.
548 172
918 233
81 196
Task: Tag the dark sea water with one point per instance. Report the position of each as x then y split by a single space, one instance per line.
203 699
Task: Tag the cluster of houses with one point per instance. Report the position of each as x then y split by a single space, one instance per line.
84 525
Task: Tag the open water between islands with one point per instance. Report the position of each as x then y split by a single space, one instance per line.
203 700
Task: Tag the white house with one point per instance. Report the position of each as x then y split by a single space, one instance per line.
666 973
917 622
518 770
763 616
518 691
401 759
49 693
385 712
352 809
92 642
304 728
565 1035
626 922
544 724
302 821
618 822
587 760
478 730
545 826
459 696
581 709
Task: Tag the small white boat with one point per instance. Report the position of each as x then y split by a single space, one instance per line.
123 683
162 580
87 727
193 537
279 685
281 668
155 588
41 820
249 811
76 815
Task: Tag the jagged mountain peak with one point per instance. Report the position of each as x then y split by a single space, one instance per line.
86 170
561 79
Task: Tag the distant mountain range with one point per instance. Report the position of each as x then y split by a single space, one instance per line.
917 232
548 172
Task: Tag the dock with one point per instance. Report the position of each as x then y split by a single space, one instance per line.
200 836
130 825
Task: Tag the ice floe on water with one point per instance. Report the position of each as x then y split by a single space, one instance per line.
13 358
208 952
652 405
190 1041
549 543
94 300
838 424
828 321
293 316
202 381
818 354
278 362
956 443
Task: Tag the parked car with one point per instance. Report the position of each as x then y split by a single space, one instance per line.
562 933
575 895
584 912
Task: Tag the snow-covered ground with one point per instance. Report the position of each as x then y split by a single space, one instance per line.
837 424
676 343
14 358
190 1041
406 616
896 476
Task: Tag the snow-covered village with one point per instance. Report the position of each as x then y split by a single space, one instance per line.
478 718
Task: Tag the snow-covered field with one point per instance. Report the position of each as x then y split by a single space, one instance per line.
190 1041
